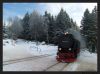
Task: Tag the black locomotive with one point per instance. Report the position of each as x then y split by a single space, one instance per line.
68 48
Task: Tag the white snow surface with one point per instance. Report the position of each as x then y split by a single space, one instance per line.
86 56
23 49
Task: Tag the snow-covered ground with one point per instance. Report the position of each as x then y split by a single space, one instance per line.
22 49
86 61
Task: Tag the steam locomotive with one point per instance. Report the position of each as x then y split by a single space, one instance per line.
68 48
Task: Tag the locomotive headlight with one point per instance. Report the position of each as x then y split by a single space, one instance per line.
59 48
70 49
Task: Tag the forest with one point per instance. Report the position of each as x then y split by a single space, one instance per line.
37 27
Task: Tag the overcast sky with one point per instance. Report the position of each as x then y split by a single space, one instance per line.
75 10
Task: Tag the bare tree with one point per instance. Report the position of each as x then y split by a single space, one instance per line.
15 28
37 26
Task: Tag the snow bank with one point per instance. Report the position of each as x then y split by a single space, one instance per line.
86 56
22 49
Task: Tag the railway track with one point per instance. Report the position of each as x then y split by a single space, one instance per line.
50 66
24 59
56 67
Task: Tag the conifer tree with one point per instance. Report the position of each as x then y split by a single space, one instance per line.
63 21
25 24
89 29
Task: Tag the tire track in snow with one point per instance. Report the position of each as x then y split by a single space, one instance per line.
24 59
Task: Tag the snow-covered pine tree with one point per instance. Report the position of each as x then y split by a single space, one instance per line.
46 22
93 29
89 28
74 25
25 24
51 25
4 31
37 26
85 23
63 21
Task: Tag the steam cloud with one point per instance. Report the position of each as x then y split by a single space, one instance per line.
78 36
